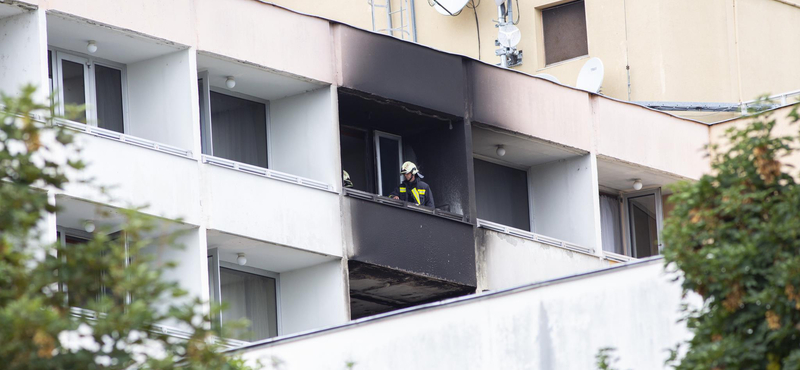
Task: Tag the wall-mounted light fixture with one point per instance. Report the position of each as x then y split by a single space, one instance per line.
242 259
501 151
637 184
92 46
230 82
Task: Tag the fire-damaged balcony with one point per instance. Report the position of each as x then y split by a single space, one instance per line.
401 253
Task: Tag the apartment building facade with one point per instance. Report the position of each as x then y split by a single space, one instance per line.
684 51
234 120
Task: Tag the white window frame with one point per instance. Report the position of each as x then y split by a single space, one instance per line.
88 61
62 240
377 135
626 227
206 131
216 295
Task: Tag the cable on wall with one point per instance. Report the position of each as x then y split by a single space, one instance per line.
477 24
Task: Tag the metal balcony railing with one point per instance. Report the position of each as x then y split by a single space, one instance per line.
264 172
132 140
534 237
405 205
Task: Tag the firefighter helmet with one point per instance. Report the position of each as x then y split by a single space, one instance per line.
346 179
409 167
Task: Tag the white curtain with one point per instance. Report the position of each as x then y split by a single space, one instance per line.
610 224
252 297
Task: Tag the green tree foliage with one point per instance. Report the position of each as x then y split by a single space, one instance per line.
734 237
121 293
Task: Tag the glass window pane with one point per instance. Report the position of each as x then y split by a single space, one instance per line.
390 164
502 194
643 226
239 129
73 86
355 157
108 88
251 297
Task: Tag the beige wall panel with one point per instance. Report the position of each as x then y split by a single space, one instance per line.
531 106
679 50
651 139
769 48
171 20
783 127
267 36
353 12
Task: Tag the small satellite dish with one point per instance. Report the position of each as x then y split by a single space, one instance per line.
509 36
591 76
548 77
449 7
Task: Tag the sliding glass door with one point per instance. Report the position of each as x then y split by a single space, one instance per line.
643 222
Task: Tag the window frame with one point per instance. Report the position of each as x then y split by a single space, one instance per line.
626 227
62 232
88 61
207 126
215 282
540 15
377 135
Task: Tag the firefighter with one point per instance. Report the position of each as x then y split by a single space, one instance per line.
346 180
413 189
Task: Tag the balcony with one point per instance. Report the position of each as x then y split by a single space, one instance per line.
404 253
269 155
535 209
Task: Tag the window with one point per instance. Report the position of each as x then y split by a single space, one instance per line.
501 194
643 220
389 157
355 157
82 295
564 30
234 126
251 294
97 84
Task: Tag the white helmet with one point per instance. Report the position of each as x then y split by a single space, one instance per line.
410 167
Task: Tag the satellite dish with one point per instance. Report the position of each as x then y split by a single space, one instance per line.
449 7
591 76
509 36
548 77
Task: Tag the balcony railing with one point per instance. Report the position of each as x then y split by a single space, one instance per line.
264 172
402 204
113 135
534 237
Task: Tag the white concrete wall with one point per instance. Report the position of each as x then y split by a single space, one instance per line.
274 211
556 326
168 184
23 54
313 297
506 261
304 135
160 99
563 200
191 271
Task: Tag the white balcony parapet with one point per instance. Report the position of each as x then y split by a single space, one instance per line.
264 172
113 135
534 237
163 329
616 257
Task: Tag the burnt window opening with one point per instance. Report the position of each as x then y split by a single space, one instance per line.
564 30
377 136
